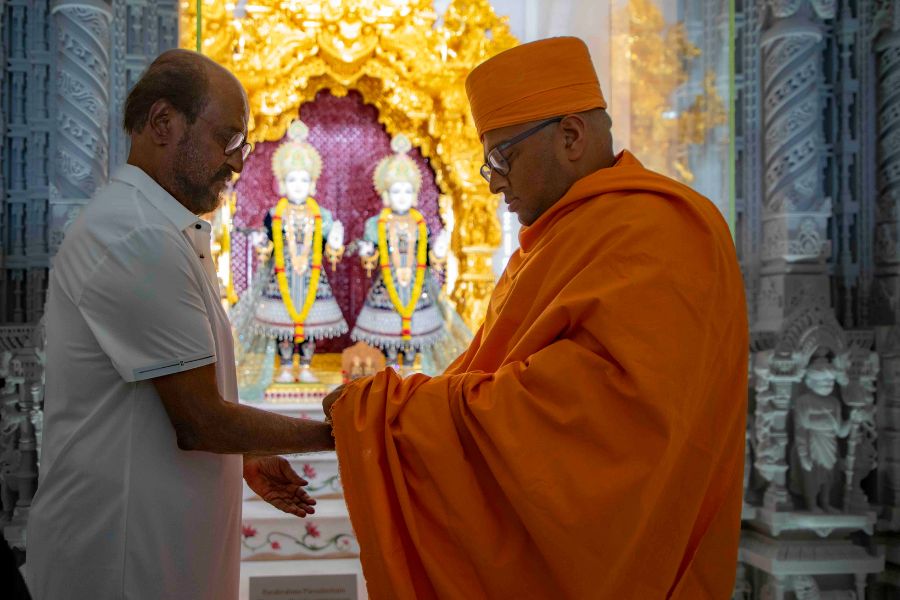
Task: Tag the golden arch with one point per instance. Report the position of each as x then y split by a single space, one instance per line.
403 62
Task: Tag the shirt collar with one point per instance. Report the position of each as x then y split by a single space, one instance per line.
173 210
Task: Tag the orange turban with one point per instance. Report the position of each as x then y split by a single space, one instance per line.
546 78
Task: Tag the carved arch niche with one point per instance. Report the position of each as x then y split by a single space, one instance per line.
780 364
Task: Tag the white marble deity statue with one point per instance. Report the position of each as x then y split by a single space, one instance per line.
817 426
401 315
296 306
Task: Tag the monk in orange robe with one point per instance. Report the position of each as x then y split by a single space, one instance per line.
590 441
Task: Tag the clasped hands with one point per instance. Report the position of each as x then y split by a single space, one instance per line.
274 480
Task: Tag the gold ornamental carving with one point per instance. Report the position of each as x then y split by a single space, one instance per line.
411 67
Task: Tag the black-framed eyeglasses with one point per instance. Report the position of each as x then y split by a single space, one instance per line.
499 163
238 141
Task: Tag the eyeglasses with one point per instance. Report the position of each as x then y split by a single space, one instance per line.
235 143
495 159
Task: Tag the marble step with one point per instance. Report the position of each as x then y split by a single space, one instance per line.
267 534
295 568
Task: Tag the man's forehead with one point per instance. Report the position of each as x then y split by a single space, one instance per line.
232 113
228 100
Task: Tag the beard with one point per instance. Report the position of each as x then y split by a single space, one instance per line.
200 192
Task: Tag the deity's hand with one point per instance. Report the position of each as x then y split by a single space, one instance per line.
336 235
859 416
273 480
442 244
805 459
366 248
258 238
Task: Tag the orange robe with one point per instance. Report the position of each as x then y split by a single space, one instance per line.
590 441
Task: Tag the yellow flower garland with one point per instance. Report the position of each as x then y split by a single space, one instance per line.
406 312
316 268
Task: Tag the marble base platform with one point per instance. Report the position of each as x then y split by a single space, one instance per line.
783 558
776 523
290 568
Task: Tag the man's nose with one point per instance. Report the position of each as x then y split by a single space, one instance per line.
498 182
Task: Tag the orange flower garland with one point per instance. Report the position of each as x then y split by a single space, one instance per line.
407 311
316 268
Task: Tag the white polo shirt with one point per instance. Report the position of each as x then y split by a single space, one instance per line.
120 511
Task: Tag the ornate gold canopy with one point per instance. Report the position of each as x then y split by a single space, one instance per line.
402 61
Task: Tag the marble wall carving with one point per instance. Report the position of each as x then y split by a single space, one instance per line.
822 438
67 67
21 398
25 83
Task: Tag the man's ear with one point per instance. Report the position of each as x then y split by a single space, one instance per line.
574 129
164 124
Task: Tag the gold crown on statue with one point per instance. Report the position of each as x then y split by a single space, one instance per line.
296 154
397 168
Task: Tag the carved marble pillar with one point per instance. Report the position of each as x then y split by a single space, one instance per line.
888 344
82 105
4 231
886 287
887 227
795 209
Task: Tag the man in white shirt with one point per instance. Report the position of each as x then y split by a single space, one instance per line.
144 439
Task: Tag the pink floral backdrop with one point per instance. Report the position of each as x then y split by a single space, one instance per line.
347 134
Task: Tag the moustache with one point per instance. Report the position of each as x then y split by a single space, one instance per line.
224 174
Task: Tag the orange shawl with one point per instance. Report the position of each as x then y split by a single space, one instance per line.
590 441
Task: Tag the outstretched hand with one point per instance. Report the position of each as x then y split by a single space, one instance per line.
273 480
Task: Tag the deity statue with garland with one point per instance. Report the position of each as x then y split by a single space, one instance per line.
401 315
291 302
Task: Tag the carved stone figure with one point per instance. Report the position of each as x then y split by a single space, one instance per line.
401 315
806 588
817 427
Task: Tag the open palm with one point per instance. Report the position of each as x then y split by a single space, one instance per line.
273 480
